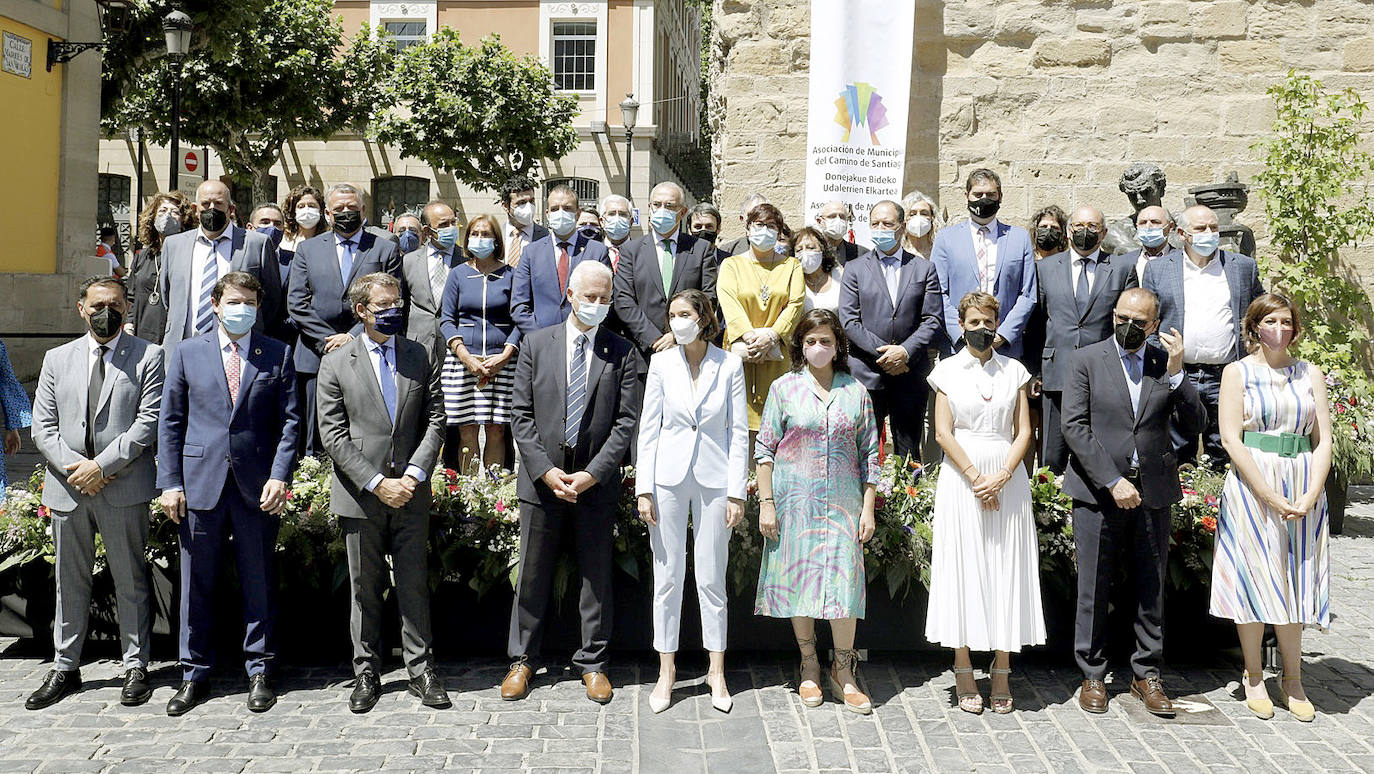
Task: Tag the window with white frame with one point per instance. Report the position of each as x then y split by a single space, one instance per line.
574 55
405 34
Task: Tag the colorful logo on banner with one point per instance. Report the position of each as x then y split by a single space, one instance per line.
860 105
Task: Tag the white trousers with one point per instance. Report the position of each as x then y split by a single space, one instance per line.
669 542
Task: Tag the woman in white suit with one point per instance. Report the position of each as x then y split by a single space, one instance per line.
693 453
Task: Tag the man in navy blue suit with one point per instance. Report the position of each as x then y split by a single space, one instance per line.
985 254
890 306
317 292
226 445
539 293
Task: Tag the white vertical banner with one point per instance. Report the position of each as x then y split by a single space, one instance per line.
860 85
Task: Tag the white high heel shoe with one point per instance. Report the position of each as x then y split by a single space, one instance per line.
720 703
658 705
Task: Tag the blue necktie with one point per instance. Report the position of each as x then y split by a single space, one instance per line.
1133 367
577 391
1081 292
205 314
388 380
346 264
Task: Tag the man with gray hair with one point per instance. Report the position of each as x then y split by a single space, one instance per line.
616 216
573 415
750 202
835 220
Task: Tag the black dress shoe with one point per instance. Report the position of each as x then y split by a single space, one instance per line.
136 688
430 690
260 695
191 693
366 692
56 686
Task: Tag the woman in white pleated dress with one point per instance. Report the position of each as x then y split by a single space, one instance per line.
985 565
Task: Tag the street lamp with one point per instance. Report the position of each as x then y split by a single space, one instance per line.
177 26
113 16
629 111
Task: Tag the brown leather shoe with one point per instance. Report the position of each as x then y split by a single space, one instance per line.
1092 697
598 687
517 682
1150 691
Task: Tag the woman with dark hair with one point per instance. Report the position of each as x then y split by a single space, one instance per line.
817 457
1048 228
167 214
479 377
693 456
761 294
820 270
985 556
1271 564
304 214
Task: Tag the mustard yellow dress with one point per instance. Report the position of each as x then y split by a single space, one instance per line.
757 295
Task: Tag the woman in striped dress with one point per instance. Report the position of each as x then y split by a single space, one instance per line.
482 340
1271 564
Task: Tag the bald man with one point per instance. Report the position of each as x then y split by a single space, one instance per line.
835 220
1077 290
193 261
1204 292
1153 227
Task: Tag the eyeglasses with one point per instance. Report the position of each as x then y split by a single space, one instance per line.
398 304
662 206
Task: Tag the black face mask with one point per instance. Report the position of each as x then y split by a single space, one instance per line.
706 234
105 322
985 207
213 220
347 221
592 232
1085 240
1047 238
1130 335
980 339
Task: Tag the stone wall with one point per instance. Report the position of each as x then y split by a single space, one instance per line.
1057 96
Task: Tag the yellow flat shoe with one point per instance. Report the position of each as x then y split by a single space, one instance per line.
1263 708
1302 710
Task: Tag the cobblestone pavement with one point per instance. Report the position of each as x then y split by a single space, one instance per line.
915 727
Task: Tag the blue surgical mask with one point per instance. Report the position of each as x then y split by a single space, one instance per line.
885 239
446 237
1151 236
482 247
617 227
238 319
562 222
389 322
763 237
663 220
591 313
410 241
1206 243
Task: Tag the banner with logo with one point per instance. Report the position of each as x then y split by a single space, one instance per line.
860 84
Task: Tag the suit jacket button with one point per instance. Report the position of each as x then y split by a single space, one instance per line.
694 428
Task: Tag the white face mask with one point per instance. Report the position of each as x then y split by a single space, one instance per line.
308 217
810 260
685 330
834 227
918 226
592 313
523 215
167 223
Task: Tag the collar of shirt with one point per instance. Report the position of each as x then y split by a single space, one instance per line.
435 252
1093 257
965 359
1122 354
895 255
224 340
375 345
356 239
513 230
1213 265
991 226
574 332
112 344
672 236
207 239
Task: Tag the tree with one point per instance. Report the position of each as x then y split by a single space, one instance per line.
282 72
480 113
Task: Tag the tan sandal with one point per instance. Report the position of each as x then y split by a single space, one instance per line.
855 700
1001 702
968 702
1301 709
1262 708
808 690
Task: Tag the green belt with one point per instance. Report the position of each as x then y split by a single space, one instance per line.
1282 444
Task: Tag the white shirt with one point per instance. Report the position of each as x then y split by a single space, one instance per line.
1209 332
1144 260
826 299
374 354
573 333
92 347
988 270
224 350
444 259
203 252
525 235
1134 386
1080 262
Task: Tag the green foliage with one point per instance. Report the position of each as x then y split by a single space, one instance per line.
479 112
284 71
1317 201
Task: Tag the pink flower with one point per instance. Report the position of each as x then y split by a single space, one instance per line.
289 495
500 506
43 512
1189 492
450 473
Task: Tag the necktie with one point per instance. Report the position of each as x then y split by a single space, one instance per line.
93 390
232 371
1081 292
1133 367
891 272
438 276
615 256
665 265
205 313
514 247
388 382
983 279
577 391
563 267
346 261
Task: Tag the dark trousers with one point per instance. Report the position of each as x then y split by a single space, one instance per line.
203 536
542 526
309 444
1054 451
404 535
453 449
1101 535
1206 380
905 409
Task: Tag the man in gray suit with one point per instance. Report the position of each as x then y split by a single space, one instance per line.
381 419
426 272
95 421
193 261
1077 289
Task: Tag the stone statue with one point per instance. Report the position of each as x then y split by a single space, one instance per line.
1143 185
1226 199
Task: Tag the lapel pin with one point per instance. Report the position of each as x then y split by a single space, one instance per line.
257 350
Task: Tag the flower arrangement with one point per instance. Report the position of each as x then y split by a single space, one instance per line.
1352 428
1193 525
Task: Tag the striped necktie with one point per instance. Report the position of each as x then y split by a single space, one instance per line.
205 312
577 391
438 277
